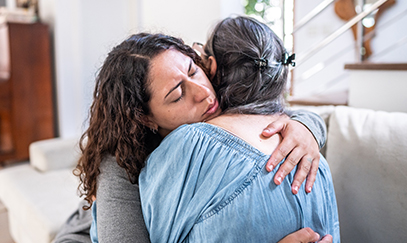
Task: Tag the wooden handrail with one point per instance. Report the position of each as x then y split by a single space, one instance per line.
377 66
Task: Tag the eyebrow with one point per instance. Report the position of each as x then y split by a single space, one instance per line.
176 86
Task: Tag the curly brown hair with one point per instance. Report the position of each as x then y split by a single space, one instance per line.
120 104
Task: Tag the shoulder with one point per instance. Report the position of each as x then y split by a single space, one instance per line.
179 139
181 148
186 134
113 181
110 169
187 129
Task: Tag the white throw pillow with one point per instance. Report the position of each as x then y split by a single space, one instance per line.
367 154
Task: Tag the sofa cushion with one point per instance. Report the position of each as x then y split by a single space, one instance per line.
367 153
38 203
54 154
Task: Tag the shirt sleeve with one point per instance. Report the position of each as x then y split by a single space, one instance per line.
119 216
313 122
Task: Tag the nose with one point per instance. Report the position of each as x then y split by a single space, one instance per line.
199 91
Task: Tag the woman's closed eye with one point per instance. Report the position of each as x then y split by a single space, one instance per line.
180 97
192 72
195 71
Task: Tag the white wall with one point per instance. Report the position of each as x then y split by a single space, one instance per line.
390 42
189 19
85 31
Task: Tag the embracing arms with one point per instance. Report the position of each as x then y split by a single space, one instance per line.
119 212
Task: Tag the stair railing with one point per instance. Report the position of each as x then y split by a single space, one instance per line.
301 57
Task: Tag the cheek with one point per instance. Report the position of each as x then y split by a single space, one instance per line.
173 118
179 118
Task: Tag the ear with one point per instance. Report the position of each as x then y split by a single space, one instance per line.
212 66
149 122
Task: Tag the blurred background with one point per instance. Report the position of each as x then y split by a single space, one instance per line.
81 33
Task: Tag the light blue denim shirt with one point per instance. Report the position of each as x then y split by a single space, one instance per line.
203 184
93 232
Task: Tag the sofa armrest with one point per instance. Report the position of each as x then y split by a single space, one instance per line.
54 154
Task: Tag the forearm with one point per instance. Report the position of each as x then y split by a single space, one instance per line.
313 122
119 216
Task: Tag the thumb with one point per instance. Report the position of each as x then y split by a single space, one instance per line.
309 235
301 236
326 239
272 128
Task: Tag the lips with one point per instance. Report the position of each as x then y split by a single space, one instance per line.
212 108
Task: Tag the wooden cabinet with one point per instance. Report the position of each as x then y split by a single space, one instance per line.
26 89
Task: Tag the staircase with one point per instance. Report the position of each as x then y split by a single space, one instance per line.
332 54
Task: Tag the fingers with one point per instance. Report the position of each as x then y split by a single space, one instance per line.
312 174
306 170
308 235
276 126
282 150
326 239
290 162
272 129
298 147
304 235
303 169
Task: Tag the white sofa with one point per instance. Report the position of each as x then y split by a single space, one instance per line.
41 194
366 150
367 153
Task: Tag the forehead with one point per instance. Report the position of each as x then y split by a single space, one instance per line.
168 66
169 59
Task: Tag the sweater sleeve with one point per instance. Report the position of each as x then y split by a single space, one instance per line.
119 216
313 122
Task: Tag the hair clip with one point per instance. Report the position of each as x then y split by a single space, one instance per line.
289 59
261 63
